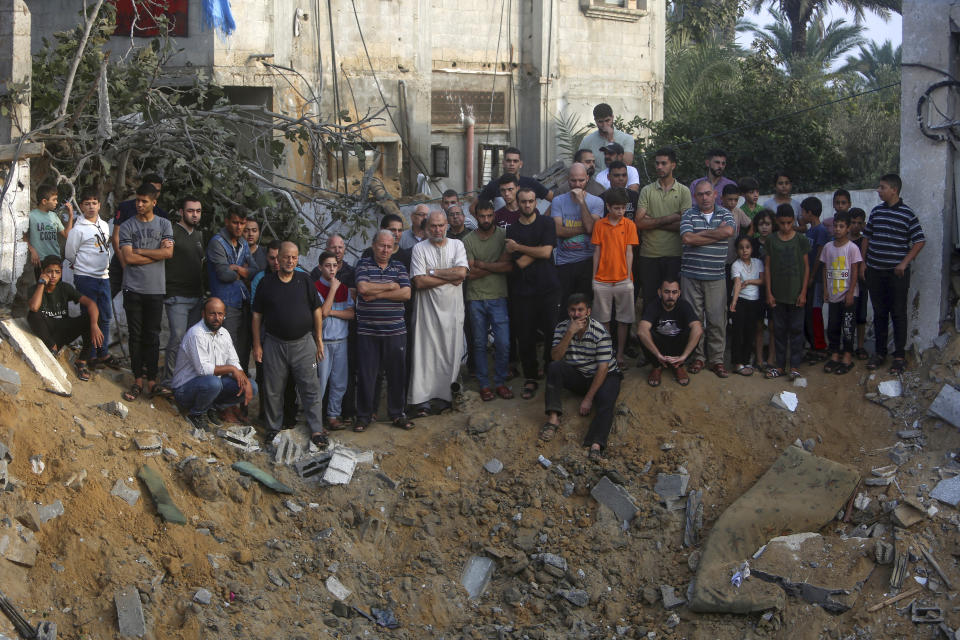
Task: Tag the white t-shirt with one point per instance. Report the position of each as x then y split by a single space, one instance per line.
744 272
633 177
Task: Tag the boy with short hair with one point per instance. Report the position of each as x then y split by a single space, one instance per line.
750 190
88 252
810 211
893 239
786 274
841 204
612 267
842 262
858 219
337 308
45 224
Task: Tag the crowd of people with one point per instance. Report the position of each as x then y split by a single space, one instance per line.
609 271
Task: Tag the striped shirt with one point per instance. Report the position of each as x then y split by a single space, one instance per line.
586 353
891 230
707 262
381 317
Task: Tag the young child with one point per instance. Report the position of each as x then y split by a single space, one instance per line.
763 225
747 277
842 263
810 210
750 190
786 274
729 200
782 189
45 224
338 312
858 218
841 204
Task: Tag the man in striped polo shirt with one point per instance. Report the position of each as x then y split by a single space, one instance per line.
892 239
704 230
583 362
383 285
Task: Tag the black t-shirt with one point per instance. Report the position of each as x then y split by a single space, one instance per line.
673 324
287 307
184 271
54 304
541 276
492 189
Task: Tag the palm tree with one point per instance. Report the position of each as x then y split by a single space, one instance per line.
825 43
877 64
697 68
800 13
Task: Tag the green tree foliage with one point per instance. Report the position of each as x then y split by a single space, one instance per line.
877 65
699 21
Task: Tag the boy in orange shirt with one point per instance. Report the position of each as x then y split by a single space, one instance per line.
612 262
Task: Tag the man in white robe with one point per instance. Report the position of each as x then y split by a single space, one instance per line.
438 268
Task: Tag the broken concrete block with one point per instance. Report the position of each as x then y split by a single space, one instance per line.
476 575
50 511
899 454
669 596
861 502
336 588
907 434
161 497
286 450
340 468
5 453
148 442
87 430
947 491
905 515
615 498
261 476
947 405
551 559
576 597
125 493
883 552
115 408
293 506
30 517
129 613
243 438
785 400
671 485
890 388
203 596
493 466
18 548
9 381
800 383
37 356
312 467
885 472
37 464
4 475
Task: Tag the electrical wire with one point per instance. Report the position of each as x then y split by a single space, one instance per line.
496 61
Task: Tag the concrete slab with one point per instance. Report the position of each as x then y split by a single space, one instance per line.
9 381
243 438
37 356
130 613
785 400
947 405
615 498
947 491
286 449
476 575
671 485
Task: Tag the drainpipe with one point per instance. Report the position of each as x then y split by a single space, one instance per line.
468 123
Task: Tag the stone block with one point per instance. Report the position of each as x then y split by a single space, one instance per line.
286 450
312 467
130 620
148 442
37 356
116 408
947 491
336 588
243 438
947 405
785 400
615 498
9 381
125 493
476 575
576 597
203 596
669 596
671 485
340 468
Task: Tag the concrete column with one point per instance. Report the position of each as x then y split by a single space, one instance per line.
536 89
926 166
14 209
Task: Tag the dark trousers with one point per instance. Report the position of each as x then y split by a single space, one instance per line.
575 277
289 399
652 273
533 313
744 330
563 375
788 332
888 293
237 324
296 359
390 354
841 327
115 272
144 314
813 316
59 332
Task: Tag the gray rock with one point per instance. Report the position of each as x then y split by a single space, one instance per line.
493 465
480 423
116 408
293 506
125 493
941 341
476 575
785 400
129 613
669 596
48 512
671 485
552 560
672 621
202 596
148 442
87 430
906 434
809 444
9 381
615 498
568 489
947 491
5 453
947 405
899 454
576 597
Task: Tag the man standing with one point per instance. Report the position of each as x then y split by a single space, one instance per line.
251 233
126 210
438 269
704 231
509 213
670 331
512 163
574 214
415 233
618 180
594 188
382 287
145 241
489 262
659 210
208 376
289 310
451 199
583 362
613 152
345 271
716 163
46 226
229 263
184 283
88 251
535 290
457 229
605 134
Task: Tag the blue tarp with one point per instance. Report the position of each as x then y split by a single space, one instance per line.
217 16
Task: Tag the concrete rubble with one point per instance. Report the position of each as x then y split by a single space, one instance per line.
125 493
130 621
785 400
9 381
243 438
476 575
947 405
616 498
947 491
37 356
340 468
116 408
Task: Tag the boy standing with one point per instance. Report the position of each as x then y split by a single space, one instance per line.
783 188
858 219
45 224
786 274
893 239
337 309
818 236
612 267
750 190
88 251
841 260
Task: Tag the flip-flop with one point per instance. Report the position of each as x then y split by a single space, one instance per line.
134 392
83 371
402 423
773 372
746 370
529 389
320 439
360 427
547 431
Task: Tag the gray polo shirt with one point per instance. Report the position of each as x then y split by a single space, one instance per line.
145 278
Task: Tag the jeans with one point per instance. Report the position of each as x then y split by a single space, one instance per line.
575 277
59 333
333 369
390 354
144 315
203 393
888 293
652 272
563 375
709 301
297 358
484 316
532 313
182 313
744 330
237 324
98 290
788 331
841 331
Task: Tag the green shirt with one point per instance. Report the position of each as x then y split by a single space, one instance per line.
660 243
54 304
494 285
786 265
44 229
751 213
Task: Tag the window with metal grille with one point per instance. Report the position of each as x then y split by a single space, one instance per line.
491 161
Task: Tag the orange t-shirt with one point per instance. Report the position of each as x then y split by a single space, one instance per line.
613 241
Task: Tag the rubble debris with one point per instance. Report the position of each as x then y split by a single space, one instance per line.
336 588
161 497
899 454
878 482
493 465
551 559
312 467
261 476
19 546
544 462
671 487
947 491
670 599
37 356
861 502
4 475
883 552
293 506
900 559
693 520
203 596
125 493
87 430
616 498
20 624
5 454
785 400
37 464
239 437
906 515
9 381
476 575
800 383
341 467
890 388
885 472
576 597
909 434
384 618
921 615
480 423
285 449
148 442
129 613
115 408
894 599
947 405
202 480
936 566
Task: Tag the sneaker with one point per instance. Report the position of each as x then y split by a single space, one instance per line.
214 418
198 421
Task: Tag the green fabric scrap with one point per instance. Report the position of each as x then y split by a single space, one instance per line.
158 491
261 476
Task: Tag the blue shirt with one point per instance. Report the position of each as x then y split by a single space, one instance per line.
381 317
335 328
565 209
707 262
818 237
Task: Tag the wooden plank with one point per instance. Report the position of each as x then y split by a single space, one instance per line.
905 594
28 150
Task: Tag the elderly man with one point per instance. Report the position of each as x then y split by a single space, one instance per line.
574 214
416 232
451 199
289 310
345 272
438 268
704 230
208 374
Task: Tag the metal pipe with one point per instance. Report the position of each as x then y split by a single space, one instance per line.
470 153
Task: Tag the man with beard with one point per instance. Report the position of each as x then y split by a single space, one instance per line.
574 214
716 163
670 331
586 158
605 134
613 152
512 163
208 374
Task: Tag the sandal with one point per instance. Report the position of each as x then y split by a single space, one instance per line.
131 394
422 412
773 372
401 422
843 368
720 370
547 431
529 389
795 373
681 375
83 371
876 361
335 424
108 361
320 439
746 370
162 391
897 366
360 427
654 378
861 354
504 392
486 394
831 366
696 367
